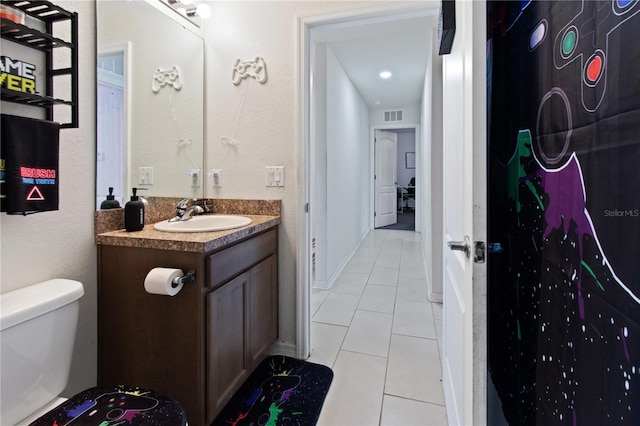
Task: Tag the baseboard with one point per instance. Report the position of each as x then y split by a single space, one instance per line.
321 285
283 348
431 295
434 297
326 285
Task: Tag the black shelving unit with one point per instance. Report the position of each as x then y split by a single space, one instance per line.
50 14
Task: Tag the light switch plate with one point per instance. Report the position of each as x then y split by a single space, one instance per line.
145 176
274 175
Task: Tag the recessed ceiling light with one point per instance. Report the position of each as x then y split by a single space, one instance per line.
385 74
377 102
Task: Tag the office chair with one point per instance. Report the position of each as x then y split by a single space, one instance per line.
410 194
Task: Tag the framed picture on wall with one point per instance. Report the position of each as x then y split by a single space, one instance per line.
410 160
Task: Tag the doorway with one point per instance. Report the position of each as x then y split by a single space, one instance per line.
314 154
400 169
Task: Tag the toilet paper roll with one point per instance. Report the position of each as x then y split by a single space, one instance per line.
160 281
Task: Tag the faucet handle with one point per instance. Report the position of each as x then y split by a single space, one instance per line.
203 203
181 207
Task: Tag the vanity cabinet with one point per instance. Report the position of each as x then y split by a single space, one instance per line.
200 345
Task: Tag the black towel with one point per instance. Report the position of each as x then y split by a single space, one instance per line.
29 165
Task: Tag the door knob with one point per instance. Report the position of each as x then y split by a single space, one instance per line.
464 246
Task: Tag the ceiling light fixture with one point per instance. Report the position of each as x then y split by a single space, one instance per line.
190 9
202 10
385 75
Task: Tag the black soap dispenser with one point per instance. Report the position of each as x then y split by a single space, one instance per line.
110 202
134 213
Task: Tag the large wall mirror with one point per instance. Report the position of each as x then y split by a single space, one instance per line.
150 103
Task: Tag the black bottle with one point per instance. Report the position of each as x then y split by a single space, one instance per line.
134 213
110 202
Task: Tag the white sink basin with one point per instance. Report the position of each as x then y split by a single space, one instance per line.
204 223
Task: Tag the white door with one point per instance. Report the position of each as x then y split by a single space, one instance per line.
386 178
464 183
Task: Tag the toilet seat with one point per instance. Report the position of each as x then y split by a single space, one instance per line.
119 405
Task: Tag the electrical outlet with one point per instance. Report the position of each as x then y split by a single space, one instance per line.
145 176
215 177
195 177
274 175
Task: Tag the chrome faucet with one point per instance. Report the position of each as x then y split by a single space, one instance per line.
191 210
185 213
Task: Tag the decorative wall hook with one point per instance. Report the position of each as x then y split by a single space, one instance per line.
162 78
256 69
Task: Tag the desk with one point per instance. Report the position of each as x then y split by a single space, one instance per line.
404 196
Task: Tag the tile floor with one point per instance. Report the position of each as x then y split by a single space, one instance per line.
380 334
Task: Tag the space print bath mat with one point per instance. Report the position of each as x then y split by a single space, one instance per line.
281 391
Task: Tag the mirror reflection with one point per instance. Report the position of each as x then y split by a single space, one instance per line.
149 103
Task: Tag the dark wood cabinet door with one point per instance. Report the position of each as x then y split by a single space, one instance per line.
263 292
227 325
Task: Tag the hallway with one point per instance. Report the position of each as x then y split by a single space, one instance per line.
381 335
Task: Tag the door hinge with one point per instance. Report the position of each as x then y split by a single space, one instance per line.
306 208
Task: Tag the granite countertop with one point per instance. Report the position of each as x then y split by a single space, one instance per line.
201 242
109 224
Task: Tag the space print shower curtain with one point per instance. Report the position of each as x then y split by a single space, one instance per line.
563 91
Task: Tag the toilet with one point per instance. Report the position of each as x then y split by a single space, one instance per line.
37 332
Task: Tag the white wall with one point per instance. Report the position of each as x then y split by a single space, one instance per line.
318 165
340 166
59 244
432 158
348 174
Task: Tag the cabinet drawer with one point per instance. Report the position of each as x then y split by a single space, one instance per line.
236 259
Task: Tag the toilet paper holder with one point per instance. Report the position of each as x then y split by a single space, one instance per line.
189 277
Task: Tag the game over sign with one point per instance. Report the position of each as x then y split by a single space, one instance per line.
17 75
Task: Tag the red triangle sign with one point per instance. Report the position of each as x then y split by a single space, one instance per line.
35 195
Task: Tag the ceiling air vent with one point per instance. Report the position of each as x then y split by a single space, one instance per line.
395 116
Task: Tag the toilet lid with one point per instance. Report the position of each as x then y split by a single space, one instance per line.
118 405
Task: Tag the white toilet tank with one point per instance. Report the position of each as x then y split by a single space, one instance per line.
37 331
